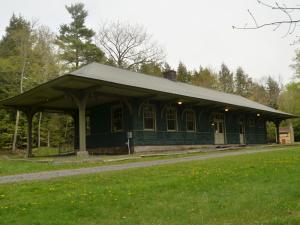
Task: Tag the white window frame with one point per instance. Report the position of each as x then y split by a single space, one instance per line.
176 119
154 117
186 120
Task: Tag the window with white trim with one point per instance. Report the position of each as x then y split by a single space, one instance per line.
171 115
149 117
190 121
117 119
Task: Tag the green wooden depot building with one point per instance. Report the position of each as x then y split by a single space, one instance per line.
125 110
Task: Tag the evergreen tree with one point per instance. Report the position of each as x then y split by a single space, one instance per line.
75 39
205 78
166 67
242 83
17 37
226 83
259 93
273 90
151 69
183 74
15 51
27 58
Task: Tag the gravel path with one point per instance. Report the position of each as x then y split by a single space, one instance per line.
71 172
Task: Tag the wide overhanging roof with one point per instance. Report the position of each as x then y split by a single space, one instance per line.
107 84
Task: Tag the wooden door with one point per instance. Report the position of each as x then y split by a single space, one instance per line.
219 129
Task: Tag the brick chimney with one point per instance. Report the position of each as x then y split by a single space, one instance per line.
170 75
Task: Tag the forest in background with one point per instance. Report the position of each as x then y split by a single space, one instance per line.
31 54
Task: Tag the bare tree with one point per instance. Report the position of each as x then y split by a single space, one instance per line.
128 46
287 11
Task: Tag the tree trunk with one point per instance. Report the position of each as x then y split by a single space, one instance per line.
48 139
76 59
14 144
29 134
277 126
39 129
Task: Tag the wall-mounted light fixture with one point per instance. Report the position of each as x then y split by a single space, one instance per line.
257 114
226 109
179 102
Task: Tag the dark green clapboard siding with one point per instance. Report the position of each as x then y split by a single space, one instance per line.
256 132
171 138
100 125
202 135
101 135
232 128
261 132
117 139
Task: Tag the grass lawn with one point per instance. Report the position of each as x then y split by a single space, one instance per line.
14 166
17 165
48 151
262 188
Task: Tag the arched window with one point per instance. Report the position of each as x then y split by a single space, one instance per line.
190 120
149 117
171 116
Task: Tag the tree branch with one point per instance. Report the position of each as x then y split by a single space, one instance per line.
287 11
266 24
130 45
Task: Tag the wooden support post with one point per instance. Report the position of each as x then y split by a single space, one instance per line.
82 127
80 98
277 124
292 135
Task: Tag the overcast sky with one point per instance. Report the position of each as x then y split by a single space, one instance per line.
196 32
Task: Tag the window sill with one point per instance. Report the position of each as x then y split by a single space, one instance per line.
191 131
149 130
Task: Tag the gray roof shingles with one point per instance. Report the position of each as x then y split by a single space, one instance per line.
134 79
128 78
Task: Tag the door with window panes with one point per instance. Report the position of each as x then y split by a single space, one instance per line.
219 129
